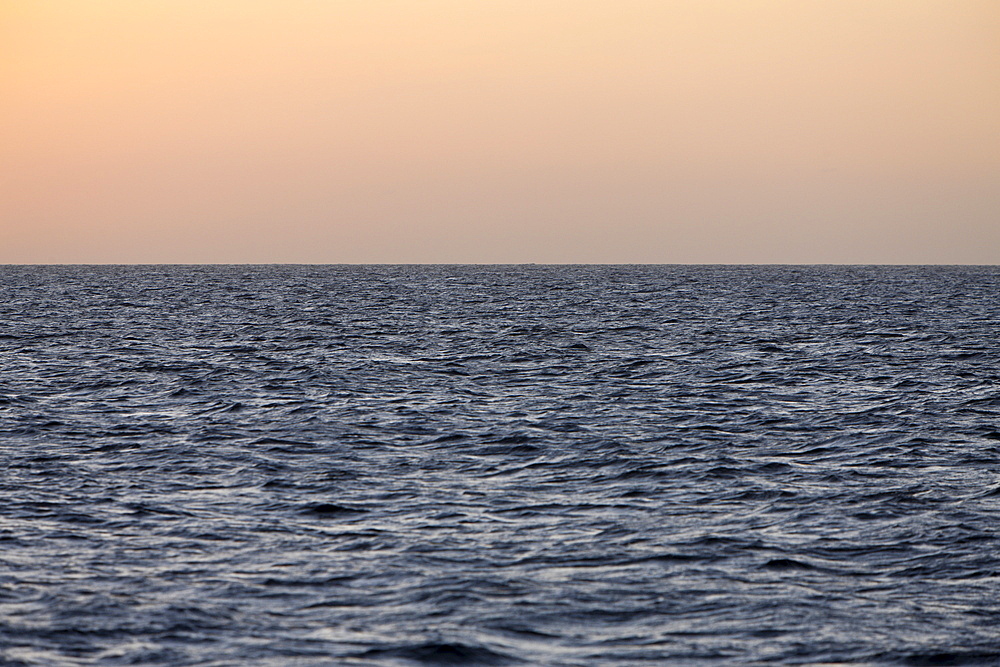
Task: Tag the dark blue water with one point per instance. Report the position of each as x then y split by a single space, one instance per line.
551 465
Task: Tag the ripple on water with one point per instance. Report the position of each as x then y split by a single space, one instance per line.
493 465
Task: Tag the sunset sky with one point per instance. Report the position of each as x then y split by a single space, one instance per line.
653 131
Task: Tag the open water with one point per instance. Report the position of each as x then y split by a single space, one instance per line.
499 465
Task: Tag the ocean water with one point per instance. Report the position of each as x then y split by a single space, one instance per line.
493 465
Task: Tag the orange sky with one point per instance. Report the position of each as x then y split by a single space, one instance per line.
858 131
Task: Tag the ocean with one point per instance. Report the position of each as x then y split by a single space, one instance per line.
499 465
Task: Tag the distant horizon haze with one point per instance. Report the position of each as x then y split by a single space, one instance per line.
482 132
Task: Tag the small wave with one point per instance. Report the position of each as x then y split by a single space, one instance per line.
330 510
439 653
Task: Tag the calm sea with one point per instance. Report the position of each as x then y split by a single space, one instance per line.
493 465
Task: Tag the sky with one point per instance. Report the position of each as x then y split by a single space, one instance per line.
500 131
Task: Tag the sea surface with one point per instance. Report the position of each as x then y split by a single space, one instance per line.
499 465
